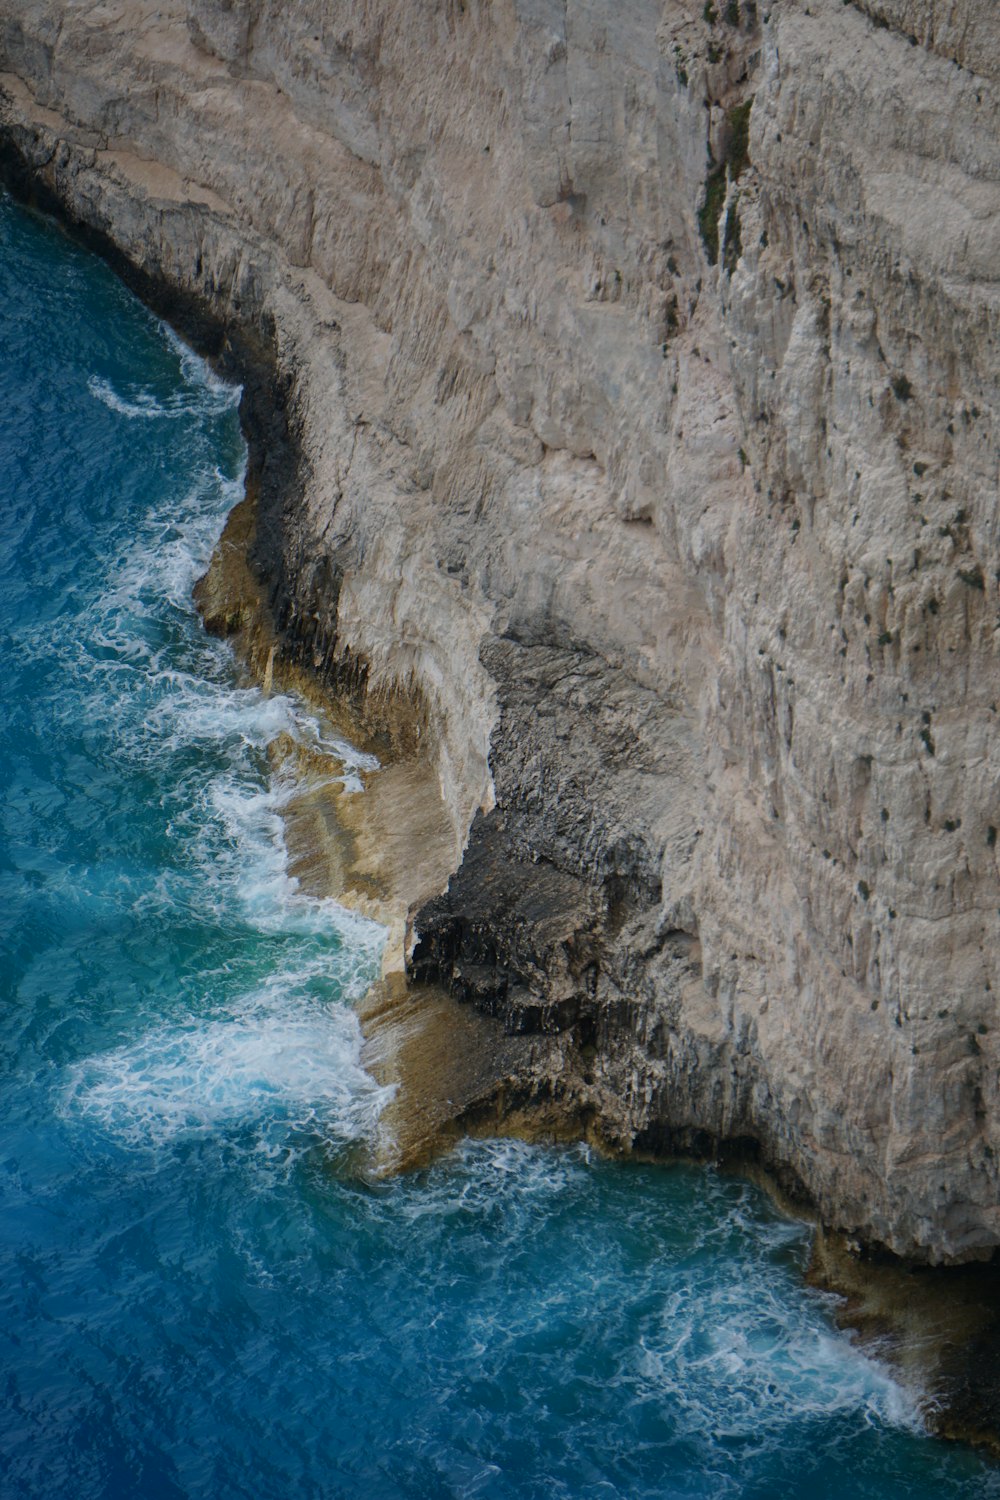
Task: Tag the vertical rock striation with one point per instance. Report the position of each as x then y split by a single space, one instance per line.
640 366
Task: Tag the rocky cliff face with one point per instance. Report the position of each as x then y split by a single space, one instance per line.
641 363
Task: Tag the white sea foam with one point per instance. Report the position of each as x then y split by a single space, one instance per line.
142 404
188 696
756 1353
760 1350
483 1173
197 371
236 843
153 577
277 1065
729 1345
352 760
204 393
282 1061
169 699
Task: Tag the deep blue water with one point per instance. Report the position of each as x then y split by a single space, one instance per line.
197 1298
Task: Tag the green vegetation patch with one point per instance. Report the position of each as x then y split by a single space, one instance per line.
711 208
738 150
732 242
731 168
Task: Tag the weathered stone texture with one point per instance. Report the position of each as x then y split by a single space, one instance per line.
693 566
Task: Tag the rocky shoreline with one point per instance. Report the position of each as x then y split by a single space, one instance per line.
708 774
658 701
490 1066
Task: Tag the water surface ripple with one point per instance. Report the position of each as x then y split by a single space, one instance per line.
198 1298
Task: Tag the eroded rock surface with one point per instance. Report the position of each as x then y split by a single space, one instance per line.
640 368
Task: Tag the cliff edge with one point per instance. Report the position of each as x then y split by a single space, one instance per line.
639 365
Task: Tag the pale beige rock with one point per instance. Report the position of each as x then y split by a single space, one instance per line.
760 502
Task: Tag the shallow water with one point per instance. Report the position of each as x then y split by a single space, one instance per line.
198 1297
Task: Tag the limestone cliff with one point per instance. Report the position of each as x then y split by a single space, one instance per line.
641 366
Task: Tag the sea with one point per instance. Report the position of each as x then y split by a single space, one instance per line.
203 1293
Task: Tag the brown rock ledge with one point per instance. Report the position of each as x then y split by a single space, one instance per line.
383 852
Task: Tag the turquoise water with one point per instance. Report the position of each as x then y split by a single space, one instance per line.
197 1297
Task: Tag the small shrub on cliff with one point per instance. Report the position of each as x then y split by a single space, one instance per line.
711 208
732 240
731 168
738 149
